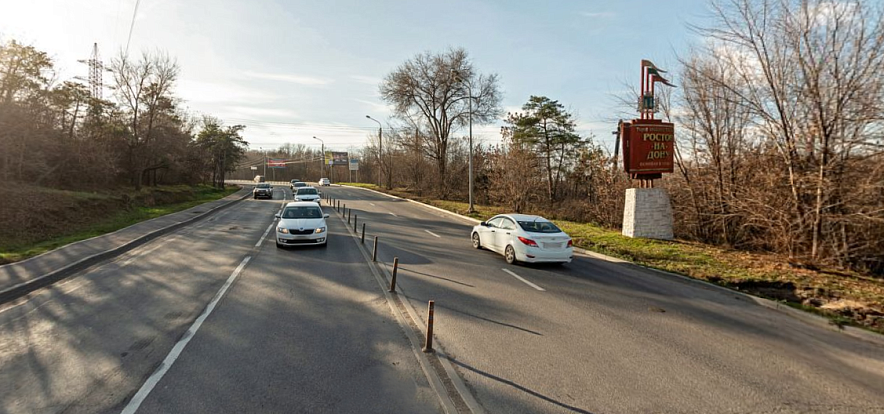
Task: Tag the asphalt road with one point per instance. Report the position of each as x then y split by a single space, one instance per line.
604 337
298 330
310 330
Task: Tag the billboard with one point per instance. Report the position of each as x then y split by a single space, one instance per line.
336 158
354 164
648 146
275 163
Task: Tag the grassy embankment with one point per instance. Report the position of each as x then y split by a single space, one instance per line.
844 297
34 220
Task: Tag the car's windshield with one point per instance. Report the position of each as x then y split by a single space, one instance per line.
537 226
306 191
263 185
300 184
302 212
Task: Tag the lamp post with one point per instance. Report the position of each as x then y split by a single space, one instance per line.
321 157
460 79
265 161
380 146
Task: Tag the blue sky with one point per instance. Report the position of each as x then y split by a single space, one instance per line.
291 70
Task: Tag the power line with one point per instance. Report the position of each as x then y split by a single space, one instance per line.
132 26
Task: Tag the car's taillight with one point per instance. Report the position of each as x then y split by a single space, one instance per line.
570 243
527 242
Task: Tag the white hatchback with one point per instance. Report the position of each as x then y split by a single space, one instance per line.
301 222
524 238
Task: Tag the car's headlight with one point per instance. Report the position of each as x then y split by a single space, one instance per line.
282 230
320 230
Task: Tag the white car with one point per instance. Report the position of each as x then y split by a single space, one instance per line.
306 194
324 182
300 223
524 238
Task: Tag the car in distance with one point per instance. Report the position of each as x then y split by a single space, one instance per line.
298 184
324 182
307 194
294 181
524 238
262 190
259 178
301 223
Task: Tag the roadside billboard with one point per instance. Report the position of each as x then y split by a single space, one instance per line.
354 164
336 158
275 163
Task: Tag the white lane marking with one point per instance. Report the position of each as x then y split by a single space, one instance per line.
433 233
261 240
523 279
155 378
371 203
393 214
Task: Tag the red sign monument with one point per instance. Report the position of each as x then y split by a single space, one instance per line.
648 143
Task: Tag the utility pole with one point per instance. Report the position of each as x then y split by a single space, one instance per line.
380 147
321 158
265 161
469 86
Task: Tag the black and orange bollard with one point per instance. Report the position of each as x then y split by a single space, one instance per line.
429 344
395 270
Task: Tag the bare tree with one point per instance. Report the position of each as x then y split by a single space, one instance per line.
803 76
432 91
144 90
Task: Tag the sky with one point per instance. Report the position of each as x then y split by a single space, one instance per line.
292 70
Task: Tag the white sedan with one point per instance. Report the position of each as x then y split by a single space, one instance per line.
524 238
301 222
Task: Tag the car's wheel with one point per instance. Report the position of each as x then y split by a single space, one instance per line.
324 245
278 245
477 242
255 197
510 254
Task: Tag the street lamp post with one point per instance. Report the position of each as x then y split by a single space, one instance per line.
380 146
470 116
265 161
321 157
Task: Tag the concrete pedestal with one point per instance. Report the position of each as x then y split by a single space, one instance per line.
647 214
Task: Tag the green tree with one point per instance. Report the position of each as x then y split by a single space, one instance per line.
224 147
547 128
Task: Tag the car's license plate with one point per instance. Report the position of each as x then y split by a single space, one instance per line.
552 245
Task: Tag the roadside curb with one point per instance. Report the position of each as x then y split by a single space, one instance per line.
23 288
470 219
803 316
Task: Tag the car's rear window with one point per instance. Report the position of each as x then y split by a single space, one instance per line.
300 184
263 185
307 191
539 227
302 212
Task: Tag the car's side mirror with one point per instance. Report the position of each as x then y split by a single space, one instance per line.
325 215
483 224
276 215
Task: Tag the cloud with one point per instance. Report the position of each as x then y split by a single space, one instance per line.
376 107
258 112
371 80
291 78
215 92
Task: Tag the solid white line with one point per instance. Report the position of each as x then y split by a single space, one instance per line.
523 279
155 378
433 233
394 214
371 203
261 240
